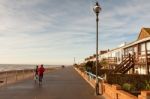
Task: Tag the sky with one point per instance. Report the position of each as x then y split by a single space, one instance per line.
55 31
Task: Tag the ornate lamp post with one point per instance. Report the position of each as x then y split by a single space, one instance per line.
97 10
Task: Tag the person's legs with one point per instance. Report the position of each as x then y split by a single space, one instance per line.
40 79
35 78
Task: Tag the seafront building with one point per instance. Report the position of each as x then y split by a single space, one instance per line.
139 50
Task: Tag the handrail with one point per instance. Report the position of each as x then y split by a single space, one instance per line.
93 75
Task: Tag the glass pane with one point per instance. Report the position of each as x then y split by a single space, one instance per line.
142 49
148 47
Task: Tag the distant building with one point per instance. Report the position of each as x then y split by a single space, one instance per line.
103 52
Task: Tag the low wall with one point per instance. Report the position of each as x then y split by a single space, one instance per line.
90 80
137 80
144 95
8 77
113 91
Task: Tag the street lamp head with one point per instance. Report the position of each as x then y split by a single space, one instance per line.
97 8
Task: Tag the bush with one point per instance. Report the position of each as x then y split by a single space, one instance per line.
104 64
128 87
139 81
147 85
89 65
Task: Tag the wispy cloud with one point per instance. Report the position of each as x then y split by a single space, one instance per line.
55 31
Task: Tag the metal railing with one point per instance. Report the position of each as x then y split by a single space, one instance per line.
93 76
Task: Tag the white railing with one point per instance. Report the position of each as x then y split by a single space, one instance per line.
93 76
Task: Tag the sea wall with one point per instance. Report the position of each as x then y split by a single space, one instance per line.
9 77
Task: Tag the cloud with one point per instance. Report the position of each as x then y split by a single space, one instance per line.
48 31
124 20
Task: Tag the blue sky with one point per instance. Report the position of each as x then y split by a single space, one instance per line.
56 31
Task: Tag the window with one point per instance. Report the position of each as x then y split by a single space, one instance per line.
148 47
142 48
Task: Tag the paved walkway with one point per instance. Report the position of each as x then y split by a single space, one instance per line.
60 84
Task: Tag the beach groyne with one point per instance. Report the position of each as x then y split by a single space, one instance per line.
12 76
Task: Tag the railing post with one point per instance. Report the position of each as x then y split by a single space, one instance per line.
129 57
16 75
133 60
121 57
6 75
33 73
146 60
23 73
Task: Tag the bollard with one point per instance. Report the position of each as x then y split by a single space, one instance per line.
97 88
101 89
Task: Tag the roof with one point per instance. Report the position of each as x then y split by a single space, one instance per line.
144 35
136 42
145 32
148 30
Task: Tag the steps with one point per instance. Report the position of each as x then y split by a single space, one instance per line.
125 65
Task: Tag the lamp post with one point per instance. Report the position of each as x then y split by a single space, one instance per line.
97 10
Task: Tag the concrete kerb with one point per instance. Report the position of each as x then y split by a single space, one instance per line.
91 81
85 78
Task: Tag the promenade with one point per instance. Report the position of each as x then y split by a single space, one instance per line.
59 84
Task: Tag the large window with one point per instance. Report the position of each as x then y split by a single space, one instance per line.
135 49
125 52
129 50
148 47
142 48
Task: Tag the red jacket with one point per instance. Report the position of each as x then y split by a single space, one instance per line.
41 70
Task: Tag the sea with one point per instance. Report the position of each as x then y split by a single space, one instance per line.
8 67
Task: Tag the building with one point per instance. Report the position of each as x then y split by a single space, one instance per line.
140 49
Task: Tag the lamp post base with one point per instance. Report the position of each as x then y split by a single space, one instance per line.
97 89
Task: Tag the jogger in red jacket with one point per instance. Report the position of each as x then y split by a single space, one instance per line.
40 73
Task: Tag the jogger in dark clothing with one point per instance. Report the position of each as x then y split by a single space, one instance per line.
36 74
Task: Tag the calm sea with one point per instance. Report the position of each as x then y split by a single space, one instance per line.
7 67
